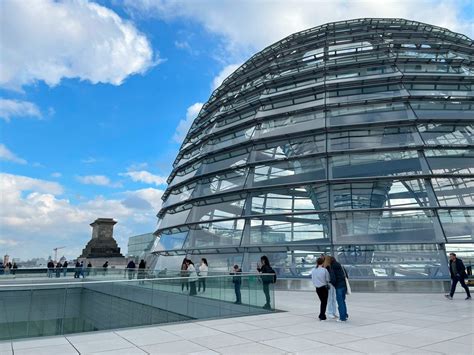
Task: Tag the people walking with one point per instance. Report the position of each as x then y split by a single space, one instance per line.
338 280
141 271
193 277
65 264
130 269
237 281
265 268
458 274
321 279
331 310
203 272
184 273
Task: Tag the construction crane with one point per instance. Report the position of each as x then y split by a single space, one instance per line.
56 253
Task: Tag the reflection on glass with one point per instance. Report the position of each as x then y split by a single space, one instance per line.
296 199
285 229
385 227
214 234
393 261
450 161
289 120
375 164
380 194
290 171
173 219
372 138
223 182
455 191
290 148
447 134
168 240
214 211
458 225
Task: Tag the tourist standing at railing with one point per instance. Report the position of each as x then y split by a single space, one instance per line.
265 268
131 269
203 272
320 278
237 281
193 277
141 270
83 269
332 305
7 269
184 273
105 266
89 267
65 268
77 269
50 266
14 267
59 266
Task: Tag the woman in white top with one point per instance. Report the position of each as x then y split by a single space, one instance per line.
320 278
193 277
332 305
203 270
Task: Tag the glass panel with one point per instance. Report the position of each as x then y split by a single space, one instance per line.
380 194
295 199
455 161
290 148
404 261
172 219
289 120
458 225
294 263
219 262
178 195
359 109
215 234
290 171
447 134
226 160
229 139
454 191
289 228
223 182
375 164
372 138
216 211
169 241
385 227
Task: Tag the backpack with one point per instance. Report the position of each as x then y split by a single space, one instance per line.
270 279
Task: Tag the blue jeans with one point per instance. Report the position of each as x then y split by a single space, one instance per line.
341 302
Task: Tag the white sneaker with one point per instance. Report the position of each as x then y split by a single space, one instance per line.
332 316
341 321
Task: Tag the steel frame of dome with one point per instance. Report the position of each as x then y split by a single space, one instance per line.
353 138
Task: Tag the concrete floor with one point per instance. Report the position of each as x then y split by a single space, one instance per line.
379 324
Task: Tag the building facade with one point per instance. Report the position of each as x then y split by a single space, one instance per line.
139 246
353 138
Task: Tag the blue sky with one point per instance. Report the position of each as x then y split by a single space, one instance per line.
95 98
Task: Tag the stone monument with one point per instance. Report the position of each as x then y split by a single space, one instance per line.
102 247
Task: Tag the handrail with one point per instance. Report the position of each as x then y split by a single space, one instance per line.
133 280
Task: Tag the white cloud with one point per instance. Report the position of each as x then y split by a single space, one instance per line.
90 160
7 155
145 176
49 40
223 74
185 124
99 180
247 25
56 175
33 213
17 108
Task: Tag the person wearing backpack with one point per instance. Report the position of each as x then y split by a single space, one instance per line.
265 268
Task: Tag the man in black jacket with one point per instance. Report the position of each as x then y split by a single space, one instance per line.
458 274
338 280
